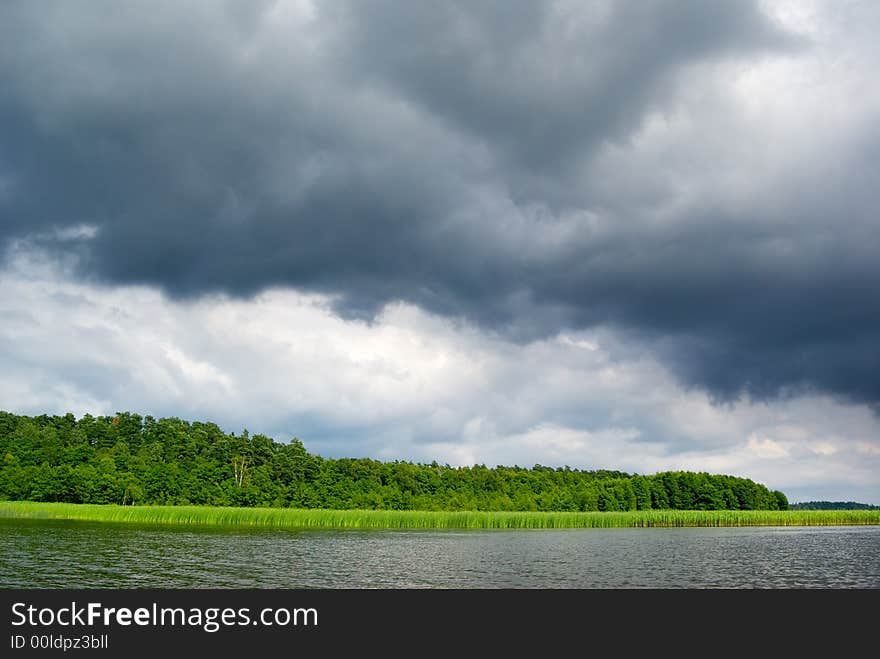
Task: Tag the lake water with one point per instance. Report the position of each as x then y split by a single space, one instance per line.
61 554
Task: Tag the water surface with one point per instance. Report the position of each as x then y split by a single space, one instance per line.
65 554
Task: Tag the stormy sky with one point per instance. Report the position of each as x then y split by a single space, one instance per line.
625 235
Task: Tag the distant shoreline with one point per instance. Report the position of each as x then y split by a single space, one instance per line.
299 518
832 505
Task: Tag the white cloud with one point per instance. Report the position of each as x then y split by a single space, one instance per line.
764 447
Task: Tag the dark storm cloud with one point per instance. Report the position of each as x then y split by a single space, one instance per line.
382 151
543 83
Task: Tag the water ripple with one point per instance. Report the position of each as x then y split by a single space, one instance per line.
62 554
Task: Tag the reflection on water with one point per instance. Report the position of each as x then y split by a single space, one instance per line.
55 554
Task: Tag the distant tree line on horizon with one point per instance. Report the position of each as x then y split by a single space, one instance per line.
832 505
129 459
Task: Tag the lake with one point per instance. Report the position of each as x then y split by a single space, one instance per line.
64 554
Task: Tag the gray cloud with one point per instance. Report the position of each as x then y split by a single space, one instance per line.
542 83
480 160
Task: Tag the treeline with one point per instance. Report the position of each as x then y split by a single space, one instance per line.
832 505
129 459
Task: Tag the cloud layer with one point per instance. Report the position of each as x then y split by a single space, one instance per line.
700 175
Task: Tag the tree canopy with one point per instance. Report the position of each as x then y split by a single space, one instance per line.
130 459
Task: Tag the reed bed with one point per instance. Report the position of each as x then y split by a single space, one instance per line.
296 518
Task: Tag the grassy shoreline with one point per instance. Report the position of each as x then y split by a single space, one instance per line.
296 518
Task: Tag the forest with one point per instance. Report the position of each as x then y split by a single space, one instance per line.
832 505
131 459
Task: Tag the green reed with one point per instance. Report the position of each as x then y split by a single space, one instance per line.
417 519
